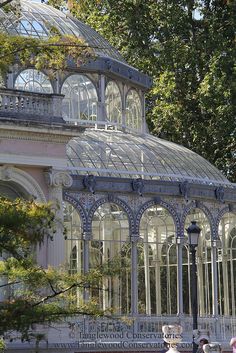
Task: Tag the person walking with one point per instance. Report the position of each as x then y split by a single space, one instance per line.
201 344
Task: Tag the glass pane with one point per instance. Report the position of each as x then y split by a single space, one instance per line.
157 263
203 260
133 110
34 81
80 102
227 265
73 239
113 103
128 155
109 249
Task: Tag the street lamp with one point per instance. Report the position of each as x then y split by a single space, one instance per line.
193 235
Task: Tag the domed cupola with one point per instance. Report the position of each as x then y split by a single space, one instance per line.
105 92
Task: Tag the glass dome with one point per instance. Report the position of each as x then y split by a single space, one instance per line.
37 20
118 154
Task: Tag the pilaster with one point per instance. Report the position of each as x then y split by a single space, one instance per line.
56 180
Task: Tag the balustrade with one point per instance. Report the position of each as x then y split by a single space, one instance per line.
13 102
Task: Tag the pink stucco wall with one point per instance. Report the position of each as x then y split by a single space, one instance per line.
32 148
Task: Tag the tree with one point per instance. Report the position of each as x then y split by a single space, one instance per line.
29 293
188 47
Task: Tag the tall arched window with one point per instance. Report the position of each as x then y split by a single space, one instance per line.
157 263
34 81
113 103
73 246
204 265
109 249
73 240
226 263
80 101
133 110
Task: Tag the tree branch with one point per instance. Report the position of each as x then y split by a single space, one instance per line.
43 300
9 284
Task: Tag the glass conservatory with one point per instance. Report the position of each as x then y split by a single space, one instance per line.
131 198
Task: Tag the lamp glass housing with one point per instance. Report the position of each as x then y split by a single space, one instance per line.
193 233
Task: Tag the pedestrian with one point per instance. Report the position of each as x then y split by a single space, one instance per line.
201 344
233 344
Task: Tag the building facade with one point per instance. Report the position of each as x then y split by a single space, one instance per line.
125 196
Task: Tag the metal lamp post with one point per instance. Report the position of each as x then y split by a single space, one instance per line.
193 235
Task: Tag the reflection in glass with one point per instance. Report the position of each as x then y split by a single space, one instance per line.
113 103
34 81
133 110
80 102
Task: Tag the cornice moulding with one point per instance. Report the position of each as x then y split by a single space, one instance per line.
36 134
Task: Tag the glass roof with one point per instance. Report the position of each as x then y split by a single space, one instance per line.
37 20
118 154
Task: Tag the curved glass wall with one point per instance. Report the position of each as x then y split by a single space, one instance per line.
157 263
226 265
34 81
80 101
109 249
133 110
204 265
113 103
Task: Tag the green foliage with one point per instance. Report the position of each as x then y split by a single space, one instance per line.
32 294
188 47
51 54
22 225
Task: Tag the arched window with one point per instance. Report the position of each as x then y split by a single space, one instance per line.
133 110
109 249
34 81
113 103
80 101
226 263
157 263
73 240
204 269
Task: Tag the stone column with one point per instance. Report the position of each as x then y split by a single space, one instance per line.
87 236
123 99
56 180
179 243
214 278
134 274
147 278
101 101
